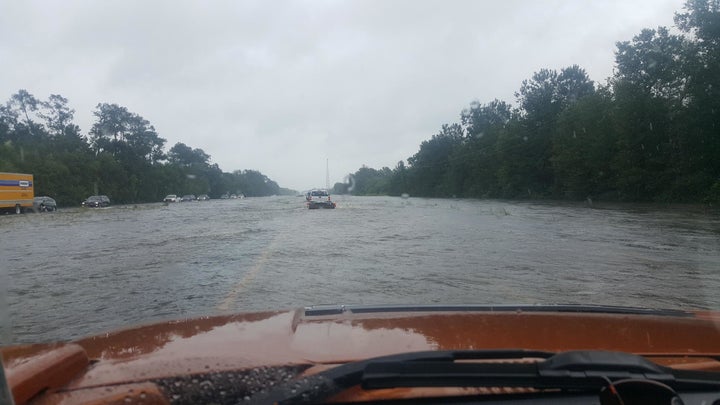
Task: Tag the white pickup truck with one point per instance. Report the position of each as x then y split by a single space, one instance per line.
318 198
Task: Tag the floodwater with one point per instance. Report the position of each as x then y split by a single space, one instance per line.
86 271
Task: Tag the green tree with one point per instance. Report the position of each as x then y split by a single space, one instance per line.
584 144
58 115
120 132
398 181
368 181
541 99
650 94
697 141
479 159
185 156
429 166
122 158
21 105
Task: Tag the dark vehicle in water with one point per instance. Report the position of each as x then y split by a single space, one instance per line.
188 197
96 201
44 204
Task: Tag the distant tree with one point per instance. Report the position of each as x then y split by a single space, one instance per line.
118 131
398 182
542 99
144 141
183 155
476 164
583 146
368 181
340 188
481 118
651 94
431 163
110 127
25 104
122 158
702 19
698 139
653 62
57 115
252 183
650 134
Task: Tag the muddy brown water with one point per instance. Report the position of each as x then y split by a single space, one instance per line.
77 271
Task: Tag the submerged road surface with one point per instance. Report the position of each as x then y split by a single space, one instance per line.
86 271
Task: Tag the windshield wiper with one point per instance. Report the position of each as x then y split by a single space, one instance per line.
576 370
570 371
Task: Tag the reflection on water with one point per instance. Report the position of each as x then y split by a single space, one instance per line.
78 272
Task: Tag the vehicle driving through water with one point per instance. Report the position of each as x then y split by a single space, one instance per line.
318 198
16 192
563 248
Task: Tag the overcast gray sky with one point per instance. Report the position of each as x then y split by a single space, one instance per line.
279 86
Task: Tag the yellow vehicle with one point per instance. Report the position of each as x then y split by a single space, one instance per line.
16 192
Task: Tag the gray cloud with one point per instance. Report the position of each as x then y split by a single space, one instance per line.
279 86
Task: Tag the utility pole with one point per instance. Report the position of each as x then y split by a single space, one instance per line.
327 174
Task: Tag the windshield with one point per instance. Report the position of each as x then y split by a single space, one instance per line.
469 152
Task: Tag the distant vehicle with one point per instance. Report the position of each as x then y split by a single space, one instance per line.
318 198
188 197
171 198
203 197
44 204
96 201
233 196
16 192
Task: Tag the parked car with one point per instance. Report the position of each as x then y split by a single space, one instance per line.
203 197
96 201
188 197
44 203
171 198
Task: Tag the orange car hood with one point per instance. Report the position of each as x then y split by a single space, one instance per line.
338 334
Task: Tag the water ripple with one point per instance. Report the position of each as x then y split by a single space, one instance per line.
80 272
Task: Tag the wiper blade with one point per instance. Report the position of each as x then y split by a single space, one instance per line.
577 370
337 379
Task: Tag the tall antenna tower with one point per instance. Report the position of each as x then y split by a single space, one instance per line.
327 174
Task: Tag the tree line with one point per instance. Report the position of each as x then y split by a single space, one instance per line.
122 156
650 133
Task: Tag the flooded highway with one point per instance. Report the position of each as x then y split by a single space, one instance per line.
86 271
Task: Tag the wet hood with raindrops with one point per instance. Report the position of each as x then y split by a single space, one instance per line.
180 359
